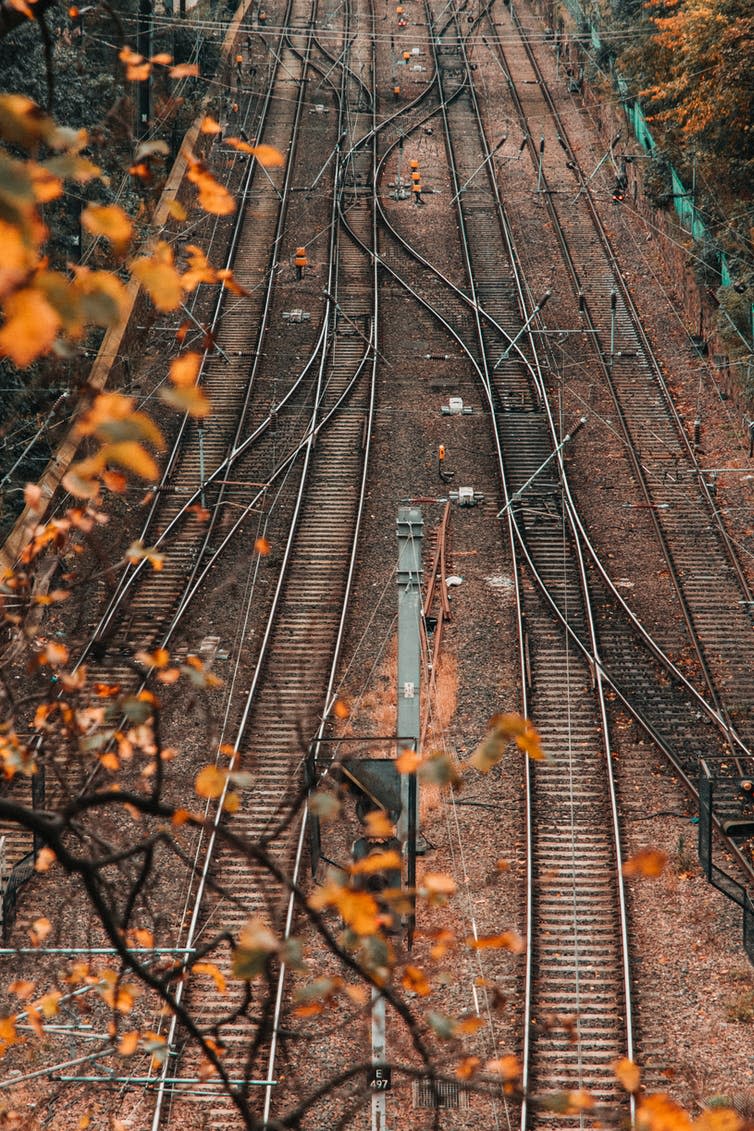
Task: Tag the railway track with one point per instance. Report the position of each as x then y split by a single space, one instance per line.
577 963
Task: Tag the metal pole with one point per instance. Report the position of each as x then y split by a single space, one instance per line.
541 158
379 1097
200 430
409 531
517 494
523 329
613 306
489 157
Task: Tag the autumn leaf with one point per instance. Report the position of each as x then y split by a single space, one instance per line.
256 943
30 328
718 1119
508 940
378 824
415 981
266 155
508 1068
193 401
39 931
358 910
45 857
659 1113
467 1067
262 546
184 71
627 1074
407 762
376 862
210 782
504 729
213 197
209 126
214 972
129 1043
435 887
110 221
158 275
649 862
324 805
131 455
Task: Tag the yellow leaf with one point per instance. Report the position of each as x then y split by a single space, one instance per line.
31 326
718 1119
649 862
176 210
378 824
266 155
210 126
199 269
110 221
184 369
214 972
210 781
436 886
359 910
627 1074
18 258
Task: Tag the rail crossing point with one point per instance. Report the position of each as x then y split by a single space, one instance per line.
553 454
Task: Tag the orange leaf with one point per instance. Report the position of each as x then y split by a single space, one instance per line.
407 762
210 781
22 989
213 197
214 972
508 940
627 1074
129 1043
649 862
45 858
340 709
414 980
378 824
131 455
158 276
193 401
376 862
507 1067
31 326
262 546
110 221
184 71
39 931
210 126
184 369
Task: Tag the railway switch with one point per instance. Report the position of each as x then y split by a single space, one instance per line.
466 497
455 407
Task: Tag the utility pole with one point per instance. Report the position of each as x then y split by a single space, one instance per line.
144 48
